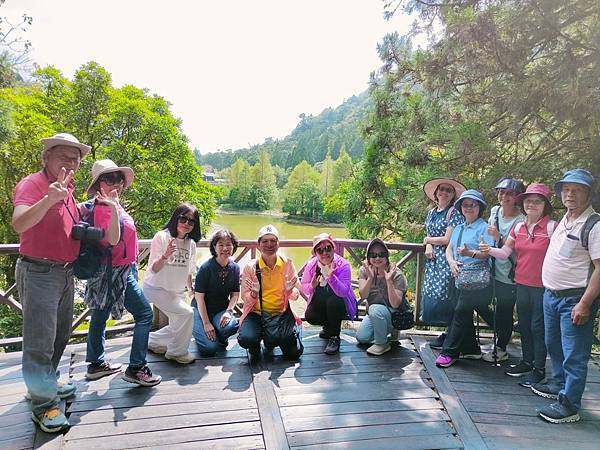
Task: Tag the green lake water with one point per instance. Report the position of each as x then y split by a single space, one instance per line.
246 226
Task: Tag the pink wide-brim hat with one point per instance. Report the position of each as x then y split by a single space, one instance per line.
430 187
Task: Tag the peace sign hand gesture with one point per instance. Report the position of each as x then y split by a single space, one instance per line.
58 190
111 198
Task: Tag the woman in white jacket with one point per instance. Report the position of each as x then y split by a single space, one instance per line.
170 270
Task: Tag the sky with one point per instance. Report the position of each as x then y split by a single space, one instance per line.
235 72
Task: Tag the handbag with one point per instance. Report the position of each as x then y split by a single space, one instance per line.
473 276
403 318
279 329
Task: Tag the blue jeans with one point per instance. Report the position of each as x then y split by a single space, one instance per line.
530 309
47 298
206 347
569 345
137 304
375 326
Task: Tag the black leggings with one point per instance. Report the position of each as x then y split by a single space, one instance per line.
326 309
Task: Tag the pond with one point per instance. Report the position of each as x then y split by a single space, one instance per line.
246 226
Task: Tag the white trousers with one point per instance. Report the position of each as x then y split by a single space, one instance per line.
177 335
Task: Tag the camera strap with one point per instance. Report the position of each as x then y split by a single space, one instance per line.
75 221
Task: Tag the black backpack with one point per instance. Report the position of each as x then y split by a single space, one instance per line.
587 228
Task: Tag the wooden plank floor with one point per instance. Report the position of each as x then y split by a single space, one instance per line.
350 400
504 413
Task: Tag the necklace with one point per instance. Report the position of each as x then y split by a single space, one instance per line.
568 228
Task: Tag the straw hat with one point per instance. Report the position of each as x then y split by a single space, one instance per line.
430 187
65 139
104 166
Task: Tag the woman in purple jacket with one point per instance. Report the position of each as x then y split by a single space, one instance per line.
326 284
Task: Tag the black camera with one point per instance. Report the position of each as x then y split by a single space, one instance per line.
83 231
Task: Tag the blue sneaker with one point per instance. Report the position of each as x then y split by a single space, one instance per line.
559 412
64 390
51 421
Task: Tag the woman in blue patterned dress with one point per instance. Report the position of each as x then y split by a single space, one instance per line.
440 221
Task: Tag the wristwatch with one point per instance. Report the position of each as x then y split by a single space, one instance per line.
229 311
474 254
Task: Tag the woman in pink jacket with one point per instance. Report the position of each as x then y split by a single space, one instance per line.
326 284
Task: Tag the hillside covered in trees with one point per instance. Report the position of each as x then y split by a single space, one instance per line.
314 136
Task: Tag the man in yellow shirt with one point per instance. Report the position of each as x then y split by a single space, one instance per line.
268 284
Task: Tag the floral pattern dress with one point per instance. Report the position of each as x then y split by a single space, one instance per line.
437 306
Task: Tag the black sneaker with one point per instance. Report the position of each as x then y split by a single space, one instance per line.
324 334
438 342
142 376
546 390
535 376
519 370
559 412
333 346
103 369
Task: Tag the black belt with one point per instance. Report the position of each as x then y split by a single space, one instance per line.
47 263
575 292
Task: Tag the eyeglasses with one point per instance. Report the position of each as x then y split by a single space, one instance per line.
188 220
378 255
326 249
112 178
449 190
469 205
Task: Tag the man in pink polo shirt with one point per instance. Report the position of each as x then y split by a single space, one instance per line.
44 213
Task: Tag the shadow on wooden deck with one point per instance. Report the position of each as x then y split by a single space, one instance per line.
351 401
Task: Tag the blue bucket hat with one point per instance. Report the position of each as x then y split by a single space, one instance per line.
473 195
579 176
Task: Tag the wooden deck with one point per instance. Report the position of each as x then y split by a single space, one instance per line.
350 401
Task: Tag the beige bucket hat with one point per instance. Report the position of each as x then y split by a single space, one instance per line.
65 139
103 166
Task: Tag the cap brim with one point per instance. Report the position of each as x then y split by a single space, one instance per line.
430 187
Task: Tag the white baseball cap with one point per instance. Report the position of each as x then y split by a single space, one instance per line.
268 229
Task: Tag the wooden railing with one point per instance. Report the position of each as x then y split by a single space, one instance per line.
345 247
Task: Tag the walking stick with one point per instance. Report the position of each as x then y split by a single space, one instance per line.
495 312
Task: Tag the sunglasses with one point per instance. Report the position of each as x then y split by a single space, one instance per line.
326 249
184 219
469 205
112 178
378 255
449 190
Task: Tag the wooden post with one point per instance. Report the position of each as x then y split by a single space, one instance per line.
419 284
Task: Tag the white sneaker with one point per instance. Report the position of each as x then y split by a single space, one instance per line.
158 349
501 355
181 359
379 349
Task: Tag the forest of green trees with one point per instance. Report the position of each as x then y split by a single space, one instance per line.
505 88
502 88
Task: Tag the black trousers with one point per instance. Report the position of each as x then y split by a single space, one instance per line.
251 334
326 309
461 336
